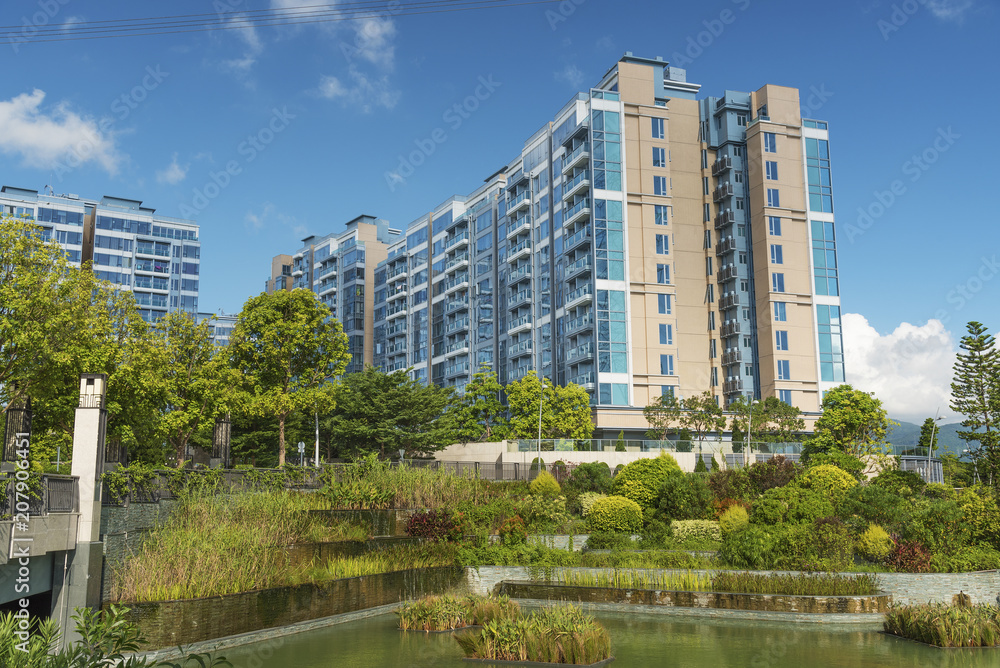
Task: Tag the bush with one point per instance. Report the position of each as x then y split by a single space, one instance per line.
586 501
731 484
435 525
937 490
940 526
903 483
875 544
544 484
841 460
979 507
789 505
736 518
615 514
909 557
972 558
513 531
700 467
643 478
830 481
546 512
610 541
702 530
749 548
684 497
866 504
592 477
771 473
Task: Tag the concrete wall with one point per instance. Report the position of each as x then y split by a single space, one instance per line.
498 452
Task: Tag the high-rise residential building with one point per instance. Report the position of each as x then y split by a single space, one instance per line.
222 325
340 268
129 244
643 241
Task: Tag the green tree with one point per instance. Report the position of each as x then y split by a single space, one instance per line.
928 434
194 375
288 349
975 393
565 411
702 415
662 414
853 422
383 413
479 414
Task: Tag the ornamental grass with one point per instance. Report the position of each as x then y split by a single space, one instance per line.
445 613
561 634
946 626
635 579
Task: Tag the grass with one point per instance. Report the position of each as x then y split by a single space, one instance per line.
724 581
444 613
397 559
946 626
561 634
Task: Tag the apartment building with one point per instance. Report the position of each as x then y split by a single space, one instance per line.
339 267
644 240
130 245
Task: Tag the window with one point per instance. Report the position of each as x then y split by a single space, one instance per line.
781 339
666 335
771 170
663 274
664 304
737 151
818 171
708 239
824 247
659 185
711 321
770 143
662 215
772 197
704 159
744 285
667 390
708 266
708 212
776 254
737 177
657 128
711 293
777 282
739 204
662 244
666 365
785 396
783 371
748 369
780 314
659 157
743 257
774 226
741 119
741 230
712 349
704 185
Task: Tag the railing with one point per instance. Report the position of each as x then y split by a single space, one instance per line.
393 311
721 165
457 326
396 272
579 292
579 207
517 226
453 305
455 282
583 379
577 180
448 243
455 347
577 323
53 494
523 196
456 369
523 320
523 295
725 190
725 217
518 248
579 265
519 348
570 159
577 238
457 261
707 446
580 352
523 271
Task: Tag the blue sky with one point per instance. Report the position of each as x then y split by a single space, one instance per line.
334 106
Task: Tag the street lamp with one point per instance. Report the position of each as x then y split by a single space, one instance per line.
753 403
930 443
541 398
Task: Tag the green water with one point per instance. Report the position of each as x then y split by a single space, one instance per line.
637 640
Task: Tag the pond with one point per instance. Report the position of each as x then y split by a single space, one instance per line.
638 641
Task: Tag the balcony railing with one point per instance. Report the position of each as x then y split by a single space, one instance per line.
584 379
457 346
453 305
731 357
457 239
576 267
521 200
730 328
721 165
522 272
519 322
518 349
723 218
578 181
522 224
577 212
731 300
518 297
582 291
457 326
570 161
456 369
576 239
580 352
726 245
723 191
579 323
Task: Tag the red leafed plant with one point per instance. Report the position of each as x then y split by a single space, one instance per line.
436 525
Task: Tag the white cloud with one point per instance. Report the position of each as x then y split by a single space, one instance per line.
174 173
362 91
909 369
571 74
58 138
373 38
253 47
950 10
269 215
606 43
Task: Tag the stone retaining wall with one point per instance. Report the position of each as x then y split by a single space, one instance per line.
908 588
170 623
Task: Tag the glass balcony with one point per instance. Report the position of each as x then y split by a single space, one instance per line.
579 211
578 156
576 239
457 240
522 201
519 349
519 225
577 324
579 183
520 250
520 324
456 369
521 273
518 298
580 295
584 263
457 326
580 352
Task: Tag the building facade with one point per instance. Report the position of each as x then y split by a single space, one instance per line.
156 257
643 241
340 268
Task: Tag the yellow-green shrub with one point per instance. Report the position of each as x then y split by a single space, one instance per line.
642 479
587 500
875 544
830 481
734 519
696 530
544 484
615 514
981 512
638 491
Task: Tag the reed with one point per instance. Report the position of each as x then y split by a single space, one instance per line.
946 626
561 634
635 579
806 584
444 613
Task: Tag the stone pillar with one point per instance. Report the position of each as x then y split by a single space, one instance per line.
221 434
78 583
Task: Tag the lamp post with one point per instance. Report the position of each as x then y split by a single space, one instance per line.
541 398
930 443
749 427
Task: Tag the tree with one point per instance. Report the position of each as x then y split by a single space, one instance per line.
975 393
853 422
928 435
662 414
565 411
289 349
194 375
379 412
702 415
479 414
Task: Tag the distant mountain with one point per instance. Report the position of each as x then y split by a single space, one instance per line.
907 433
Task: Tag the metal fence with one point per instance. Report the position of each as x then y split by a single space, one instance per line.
53 494
705 446
495 470
167 484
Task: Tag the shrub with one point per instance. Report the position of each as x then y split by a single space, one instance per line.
435 525
609 541
875 544
909 557
823 545
513 531
620 443
826 584
903 483
969 559
715 464
700 467
940 526
615 514
866 504
731 484
544 484
736 518
830 481
586 501
771 473
841 460
979 507
749 548
643 478
559 471
704 530
789 504
546 511
720 506
684 497
937 490
592 477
